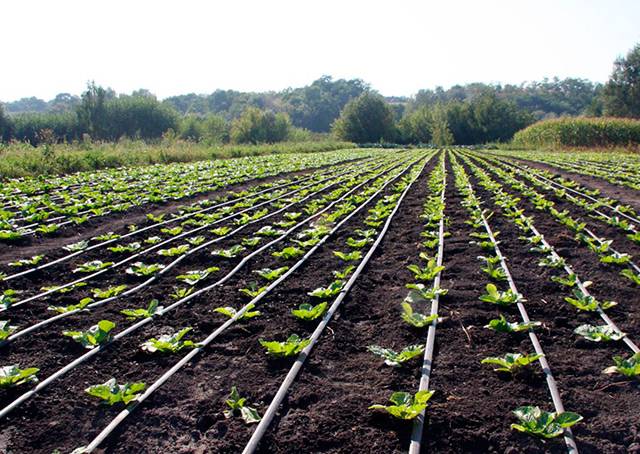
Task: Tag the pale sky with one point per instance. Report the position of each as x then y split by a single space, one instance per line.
398 46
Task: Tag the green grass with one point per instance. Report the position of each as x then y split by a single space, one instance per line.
20 159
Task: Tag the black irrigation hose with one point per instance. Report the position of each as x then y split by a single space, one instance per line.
149 281
81 359
271 411
159 245
536 175
160 224
418 424
202 345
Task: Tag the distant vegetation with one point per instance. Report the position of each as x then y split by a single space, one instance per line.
462 114
580 132
19 159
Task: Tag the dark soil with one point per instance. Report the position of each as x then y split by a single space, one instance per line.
326 409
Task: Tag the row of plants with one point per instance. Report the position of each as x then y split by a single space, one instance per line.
532 419
601 246
28 204
419 309
580 297
100 334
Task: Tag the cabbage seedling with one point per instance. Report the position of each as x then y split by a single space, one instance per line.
543 424
96 335
293 345
112 393
405 406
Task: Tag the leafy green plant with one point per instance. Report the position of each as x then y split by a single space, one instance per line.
109 292
229 253
76 247
502 325
11 376
627 367
570 281
106 237
7 298
427 293
194 276
171 232
505 298
231 312
196 240
67 289
348 256
181 292
495 272
616 258
153 240
587 302
271 275
289 252
124 248
143 270
428 273
292 346
341 275
405 405
252 290
221 231
395 359
598 333
169 343
308 312
543 424
268 230
174 251
112 393
92 266
47 229
552 261
6 330
416 319
30 261
511 362
631 275
251 242
150 311
84 302
96 335
237 405
327 292
358 244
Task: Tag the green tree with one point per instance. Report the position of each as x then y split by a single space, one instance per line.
621 94
259 126
92 111
366 119
440 132
5 125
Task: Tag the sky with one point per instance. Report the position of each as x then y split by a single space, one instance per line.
398 47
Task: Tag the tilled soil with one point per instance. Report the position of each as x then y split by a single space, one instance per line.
326 410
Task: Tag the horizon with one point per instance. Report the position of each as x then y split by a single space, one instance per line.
276 46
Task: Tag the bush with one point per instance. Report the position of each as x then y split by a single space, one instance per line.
580 132
28 127
258 126
367 118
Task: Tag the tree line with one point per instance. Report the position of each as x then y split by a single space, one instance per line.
350 109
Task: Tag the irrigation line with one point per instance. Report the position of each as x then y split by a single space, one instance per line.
418 422
141 201
551 382
589 232
536 175
159 224
81 359
157 246
167 268
202 345
271 411
634 348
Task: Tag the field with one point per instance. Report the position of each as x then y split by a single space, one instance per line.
417 271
